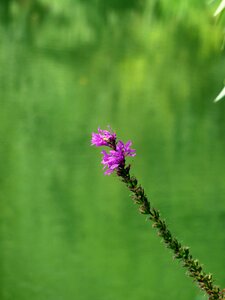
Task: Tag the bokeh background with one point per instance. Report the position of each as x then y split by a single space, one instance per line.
148 68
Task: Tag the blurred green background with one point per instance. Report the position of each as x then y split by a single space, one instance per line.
151 70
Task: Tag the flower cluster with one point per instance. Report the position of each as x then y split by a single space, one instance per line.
103 138
115 158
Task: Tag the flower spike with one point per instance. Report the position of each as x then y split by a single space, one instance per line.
115 160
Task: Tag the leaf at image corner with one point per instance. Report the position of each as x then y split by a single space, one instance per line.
220 8
221 95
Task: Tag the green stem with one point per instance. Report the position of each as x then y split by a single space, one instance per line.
182 253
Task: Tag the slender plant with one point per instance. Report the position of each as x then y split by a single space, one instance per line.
115 161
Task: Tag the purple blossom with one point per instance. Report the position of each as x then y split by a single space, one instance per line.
125 149
116 158
103 138
112 160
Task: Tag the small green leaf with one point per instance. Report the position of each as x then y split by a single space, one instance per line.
221 95
220 8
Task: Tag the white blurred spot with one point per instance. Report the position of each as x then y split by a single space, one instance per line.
221 95
220 8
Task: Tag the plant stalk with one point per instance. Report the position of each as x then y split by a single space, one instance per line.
182 253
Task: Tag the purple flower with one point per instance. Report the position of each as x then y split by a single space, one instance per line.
116 158
125 149
103 138
112 160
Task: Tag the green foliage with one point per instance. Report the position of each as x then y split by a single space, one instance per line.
152 74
